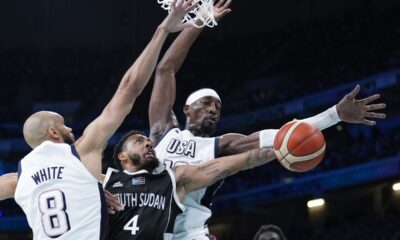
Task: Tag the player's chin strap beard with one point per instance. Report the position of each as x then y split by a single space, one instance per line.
200 130
135 159
151 165
207 131
147 165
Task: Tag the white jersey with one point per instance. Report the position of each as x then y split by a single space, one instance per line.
183 148
59 196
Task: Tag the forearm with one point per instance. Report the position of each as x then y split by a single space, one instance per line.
164 89
98 132
230 165
177 52
196 177
140 72
323 120
8 184
258 157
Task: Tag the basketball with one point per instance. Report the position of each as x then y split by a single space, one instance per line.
299 146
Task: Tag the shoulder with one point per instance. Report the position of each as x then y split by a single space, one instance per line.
156 137
107 176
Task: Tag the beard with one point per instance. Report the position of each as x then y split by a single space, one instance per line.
68 139
208 127
148 165
135 159
151 164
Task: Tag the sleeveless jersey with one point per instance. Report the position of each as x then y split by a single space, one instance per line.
150 204
59 196
183 148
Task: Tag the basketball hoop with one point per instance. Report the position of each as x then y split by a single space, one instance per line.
199 17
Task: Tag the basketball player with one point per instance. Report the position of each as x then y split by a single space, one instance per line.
58 181
195 144
152 201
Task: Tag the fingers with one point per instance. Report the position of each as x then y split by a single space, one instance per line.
368 122
226 11
219 3
227 4
173 4
375 107
375 115
186 3
112 202
190 6
110 210
180 4
355 91
370 98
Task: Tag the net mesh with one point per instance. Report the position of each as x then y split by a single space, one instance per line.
199 17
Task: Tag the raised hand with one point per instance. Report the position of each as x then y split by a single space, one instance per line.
352 110
179 8
221 8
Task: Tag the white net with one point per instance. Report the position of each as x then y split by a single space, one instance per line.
199 17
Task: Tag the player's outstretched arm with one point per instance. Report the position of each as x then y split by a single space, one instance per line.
193 177
349 109
8 183
96 135
161 116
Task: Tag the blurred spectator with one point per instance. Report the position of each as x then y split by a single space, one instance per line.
269 232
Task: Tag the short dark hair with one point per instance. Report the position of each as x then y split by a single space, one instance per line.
119 146
269 228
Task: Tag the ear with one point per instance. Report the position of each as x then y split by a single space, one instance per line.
122 156
186 110
53 133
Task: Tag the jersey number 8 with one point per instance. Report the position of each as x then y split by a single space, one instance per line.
55 220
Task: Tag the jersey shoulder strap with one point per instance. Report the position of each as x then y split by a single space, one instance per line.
109 172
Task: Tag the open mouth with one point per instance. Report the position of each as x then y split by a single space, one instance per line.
149 153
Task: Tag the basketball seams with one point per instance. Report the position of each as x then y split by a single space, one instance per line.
285 141
308 157
284 152
283 161
284 144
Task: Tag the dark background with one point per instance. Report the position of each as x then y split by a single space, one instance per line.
69 56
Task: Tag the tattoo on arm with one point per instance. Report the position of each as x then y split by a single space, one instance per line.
205 174
257 157
208 174
214 169
183 182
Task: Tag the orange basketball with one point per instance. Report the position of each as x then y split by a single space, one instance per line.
299 146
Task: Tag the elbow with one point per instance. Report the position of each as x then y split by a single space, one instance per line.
132 85
165 67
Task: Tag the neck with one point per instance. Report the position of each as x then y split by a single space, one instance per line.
132 168
196 130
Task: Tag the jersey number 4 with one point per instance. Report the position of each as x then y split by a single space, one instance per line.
55 219
132 225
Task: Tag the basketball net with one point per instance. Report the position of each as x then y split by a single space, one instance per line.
199 17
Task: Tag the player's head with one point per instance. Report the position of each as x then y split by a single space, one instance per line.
269 232
134 149
202 110
45 125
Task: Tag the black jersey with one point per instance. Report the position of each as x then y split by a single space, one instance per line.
150 201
